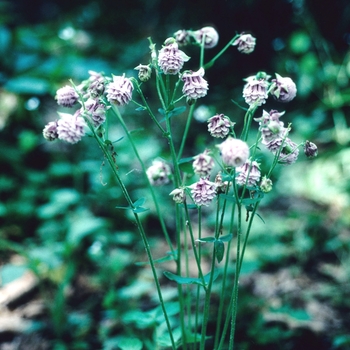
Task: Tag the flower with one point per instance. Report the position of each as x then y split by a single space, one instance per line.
66 96
179 195
145 72
50 131
194 84
255 91
249 174
310 149
119 91
266 184
219 126
97 112
170 58
234 152
203 164
203 192
272 129
211 37
245 43
70 128
97 87
283 89
289 153
182 37
158 173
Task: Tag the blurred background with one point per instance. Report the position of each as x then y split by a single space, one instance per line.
73 255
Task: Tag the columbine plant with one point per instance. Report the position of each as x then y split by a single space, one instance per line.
225 177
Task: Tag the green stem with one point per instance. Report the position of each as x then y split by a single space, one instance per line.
150 187
185 133
212 61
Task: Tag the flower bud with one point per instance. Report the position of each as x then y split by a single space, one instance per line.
119 91
50 131
182 37
219 126
194 84
66 96
245 43
158 173
234 152
144 72
203 192
170 58
211 37
255 90
283 89
179 195
310 149
203 164
266 184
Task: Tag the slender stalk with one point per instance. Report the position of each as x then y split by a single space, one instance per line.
185 133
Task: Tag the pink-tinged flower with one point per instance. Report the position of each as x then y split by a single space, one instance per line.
219 126
245 43
310 149
234 152
194 84
50 131
203 192
248 174
272 129
210 35
66 96
255 90
158 173
119 91
96 111
145 72
203 164
182 37
266 184
170 58
289 153
179 195
70 128
283 89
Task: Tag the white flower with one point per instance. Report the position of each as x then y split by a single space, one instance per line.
234 152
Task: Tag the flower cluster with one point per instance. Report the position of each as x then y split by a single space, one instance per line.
203 192
203 164
119 91
255 91
219 126
248 174
194 84
208 36
234 152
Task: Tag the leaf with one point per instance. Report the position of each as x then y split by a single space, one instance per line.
140 202
206 239
130 344
190 280
228 198
176 111
226 238
219 247
168 257
139 210
141 108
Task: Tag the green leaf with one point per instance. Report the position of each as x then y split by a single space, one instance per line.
177 111
168 257
190 280
185 165
10 272
123 208
130 344
141 108
226 238
219 247
140 202
139 210
228 198
206 239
